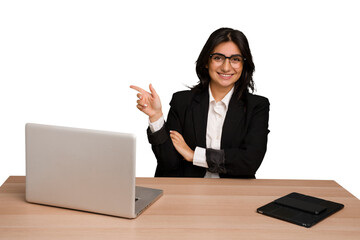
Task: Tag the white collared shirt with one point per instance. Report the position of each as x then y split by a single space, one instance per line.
215 121
216 116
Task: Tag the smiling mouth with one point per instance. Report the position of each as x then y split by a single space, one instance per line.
225 76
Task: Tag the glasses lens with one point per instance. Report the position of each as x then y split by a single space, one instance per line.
218 58
236 61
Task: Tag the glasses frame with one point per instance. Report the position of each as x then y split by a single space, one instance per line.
235 55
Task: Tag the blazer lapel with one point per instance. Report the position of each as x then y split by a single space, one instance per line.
200 114
234 116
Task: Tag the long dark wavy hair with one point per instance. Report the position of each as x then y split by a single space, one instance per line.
245 82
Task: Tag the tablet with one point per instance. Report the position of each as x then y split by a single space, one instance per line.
300 209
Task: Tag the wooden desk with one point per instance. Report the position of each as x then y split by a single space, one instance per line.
189 209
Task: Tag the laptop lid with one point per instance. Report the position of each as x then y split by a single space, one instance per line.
81 169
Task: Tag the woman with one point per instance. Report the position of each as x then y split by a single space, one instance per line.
218 128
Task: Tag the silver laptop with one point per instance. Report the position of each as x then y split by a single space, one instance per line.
84 169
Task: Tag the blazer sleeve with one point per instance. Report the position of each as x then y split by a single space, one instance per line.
168 159
245 159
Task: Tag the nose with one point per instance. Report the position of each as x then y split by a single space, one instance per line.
226 66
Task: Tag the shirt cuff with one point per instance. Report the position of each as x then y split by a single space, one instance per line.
200 157
157 125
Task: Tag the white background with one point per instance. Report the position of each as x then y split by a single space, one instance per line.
70 63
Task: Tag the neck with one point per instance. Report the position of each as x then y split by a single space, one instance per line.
219 93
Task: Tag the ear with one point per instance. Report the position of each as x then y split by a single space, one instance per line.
207 66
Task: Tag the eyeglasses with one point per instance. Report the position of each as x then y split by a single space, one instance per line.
235 60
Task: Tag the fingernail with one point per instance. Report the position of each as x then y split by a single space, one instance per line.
145 105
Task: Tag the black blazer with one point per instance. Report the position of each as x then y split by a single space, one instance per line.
243 141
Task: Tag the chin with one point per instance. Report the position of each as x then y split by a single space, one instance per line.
226 84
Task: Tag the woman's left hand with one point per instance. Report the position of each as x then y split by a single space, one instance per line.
181 146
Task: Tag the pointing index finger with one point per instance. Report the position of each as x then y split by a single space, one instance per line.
139 89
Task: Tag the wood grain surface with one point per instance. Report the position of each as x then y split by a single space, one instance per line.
189 209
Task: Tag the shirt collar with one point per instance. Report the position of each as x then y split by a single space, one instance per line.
225 100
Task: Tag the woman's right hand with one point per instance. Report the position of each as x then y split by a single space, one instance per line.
149 102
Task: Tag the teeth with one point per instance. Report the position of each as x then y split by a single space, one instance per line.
225 75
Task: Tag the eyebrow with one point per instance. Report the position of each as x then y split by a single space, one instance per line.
225 55
234 55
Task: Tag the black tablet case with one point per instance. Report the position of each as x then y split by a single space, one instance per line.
300 209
